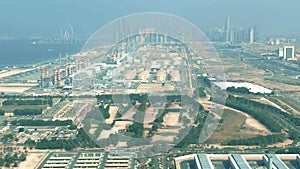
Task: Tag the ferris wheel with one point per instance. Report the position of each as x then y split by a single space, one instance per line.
66 32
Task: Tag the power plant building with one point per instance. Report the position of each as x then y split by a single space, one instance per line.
289 53
161 75
273 162
237 161
144 75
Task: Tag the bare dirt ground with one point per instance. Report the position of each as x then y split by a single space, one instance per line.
129 114
154 87
112 112
32 160
250 120
105 134
149 117
14 89
157 137
282 145
119 125
171 119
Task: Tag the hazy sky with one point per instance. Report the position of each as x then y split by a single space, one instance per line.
24 17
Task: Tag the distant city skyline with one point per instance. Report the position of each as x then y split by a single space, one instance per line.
23 18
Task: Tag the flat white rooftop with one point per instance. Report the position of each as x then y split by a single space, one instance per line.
253 88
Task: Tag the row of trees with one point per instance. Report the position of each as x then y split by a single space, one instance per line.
243 90
262 112
192 134
28 102
28 111
2 112
137 129
289 150
260 140
82 140
30 122
12 159
104 111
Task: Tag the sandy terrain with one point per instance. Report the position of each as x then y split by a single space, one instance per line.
112 112
283 144
32 160
105 134
119 125
255 124
150 87
129 114
171 119
149 117
14 89
162 138
18 84
219 146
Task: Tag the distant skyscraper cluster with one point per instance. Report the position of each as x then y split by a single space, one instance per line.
232 35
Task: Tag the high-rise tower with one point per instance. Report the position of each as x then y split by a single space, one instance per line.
251 36
227 30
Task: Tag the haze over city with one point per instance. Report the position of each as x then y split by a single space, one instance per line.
23 18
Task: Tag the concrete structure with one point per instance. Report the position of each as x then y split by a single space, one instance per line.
289 53
252 87
161 75
273 162
143 75
87 160
280 52
227 29
203 162
118 161
237 161
175 75
298 161
58 160
130 75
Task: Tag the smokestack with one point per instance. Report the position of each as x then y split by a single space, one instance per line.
86 62
270 162
115 55
58 76
77 65
70 70
42 78
55 77
67 70
42 74
59 58
47 73
66 58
